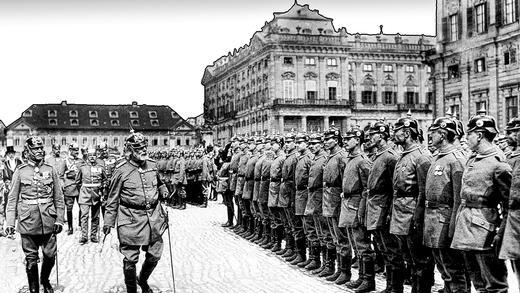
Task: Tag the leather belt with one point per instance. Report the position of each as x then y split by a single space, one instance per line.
475 204
37 201
257 179
275 179
405 194
139 207
241 176
330 185
436 205
92 185
265 178
312 189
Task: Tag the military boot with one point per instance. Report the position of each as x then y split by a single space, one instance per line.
344 268
303 264
31 268
330 267
301 252
355 283
337 273
250 227
260 233
69 222
324 257
245 226
270 240
47 265
389 276
294 253
256 230
204 202
130 277
289 246
146 271
397 281
279 236
183 203
266 235
369 283
314 256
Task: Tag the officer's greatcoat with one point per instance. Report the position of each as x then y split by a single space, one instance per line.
265 175
133 201
250 177
35 199
258 176
511 241
275 180
91 180
332 181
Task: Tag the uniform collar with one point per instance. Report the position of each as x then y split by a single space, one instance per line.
410 149
491 151
447 150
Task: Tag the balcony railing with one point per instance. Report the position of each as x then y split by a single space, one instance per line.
309 102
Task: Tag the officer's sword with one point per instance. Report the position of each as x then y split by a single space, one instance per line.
103 243
170 249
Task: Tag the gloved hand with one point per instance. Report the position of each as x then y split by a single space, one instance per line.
9 230
106 230
57 228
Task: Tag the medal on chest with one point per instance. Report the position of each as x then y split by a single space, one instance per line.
438 170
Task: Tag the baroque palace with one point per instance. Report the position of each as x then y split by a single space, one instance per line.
300 73
475 62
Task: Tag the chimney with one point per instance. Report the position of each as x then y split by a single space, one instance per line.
134 104
64 103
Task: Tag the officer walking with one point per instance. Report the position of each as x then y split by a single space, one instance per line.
484 200
134 200
443 184
91 181
70 189
36 200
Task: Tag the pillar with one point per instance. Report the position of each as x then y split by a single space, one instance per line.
281 124
325 122
304 123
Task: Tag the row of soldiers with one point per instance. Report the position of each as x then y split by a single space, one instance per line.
334 195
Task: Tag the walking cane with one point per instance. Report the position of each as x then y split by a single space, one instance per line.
170 249
57 266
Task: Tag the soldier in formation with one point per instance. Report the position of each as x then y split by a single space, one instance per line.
333 198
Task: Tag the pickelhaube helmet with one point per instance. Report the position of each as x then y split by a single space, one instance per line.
355 131
379 127
33 142
251 140
482 122
301 137
74 146
407 122
332 132
315 138
513 125
290 136
278 139
445 123
136 140
259 140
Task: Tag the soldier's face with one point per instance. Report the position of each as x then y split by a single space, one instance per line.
330 143
275 146
375 138
473 139
139 154
36 154
315 147
91 157
400 136
437 138
56 151
515 137
267 146
290 146
74 153
302 146
351 143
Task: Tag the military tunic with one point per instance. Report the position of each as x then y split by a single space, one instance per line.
258 176
275 174
355 189
287 187
233 170
511 244
58 164
301 180
179 177
265 175
241 173
315 185
332 182
249 177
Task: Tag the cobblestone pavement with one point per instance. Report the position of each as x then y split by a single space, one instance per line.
206 258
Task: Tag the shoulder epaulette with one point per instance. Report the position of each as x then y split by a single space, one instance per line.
121 163
21 166
151 160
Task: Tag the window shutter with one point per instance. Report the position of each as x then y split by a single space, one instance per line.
459 20
469 18
445 36
374 97
395 97
498 13
516 8
416 97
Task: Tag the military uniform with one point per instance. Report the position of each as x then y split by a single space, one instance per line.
379 205
134 201
485 185
36 200
242 159
263 196
255 206
247 194
70 189
179 181
301 183
407 216
332 189
208 174
59 164
223 188
91 181
275 179
443 184
352 217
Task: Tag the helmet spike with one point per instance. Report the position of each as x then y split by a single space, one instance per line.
409 114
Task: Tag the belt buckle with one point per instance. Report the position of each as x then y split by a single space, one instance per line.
148 206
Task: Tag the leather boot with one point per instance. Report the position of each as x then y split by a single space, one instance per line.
146 271
245 226
250 227
47 265
204 202
130 277
32 277
303 264
346 274
270 239
330 267
266 235
69 222
369 283
333 277
301 252
324 257
397 280
354 284
260 233
423 285
183 203
389 276
294 253
314 256
279 236
289 246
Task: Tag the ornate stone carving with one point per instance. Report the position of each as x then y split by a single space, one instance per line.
332 76
288 75
310 75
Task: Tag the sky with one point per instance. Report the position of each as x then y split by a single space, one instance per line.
151 51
